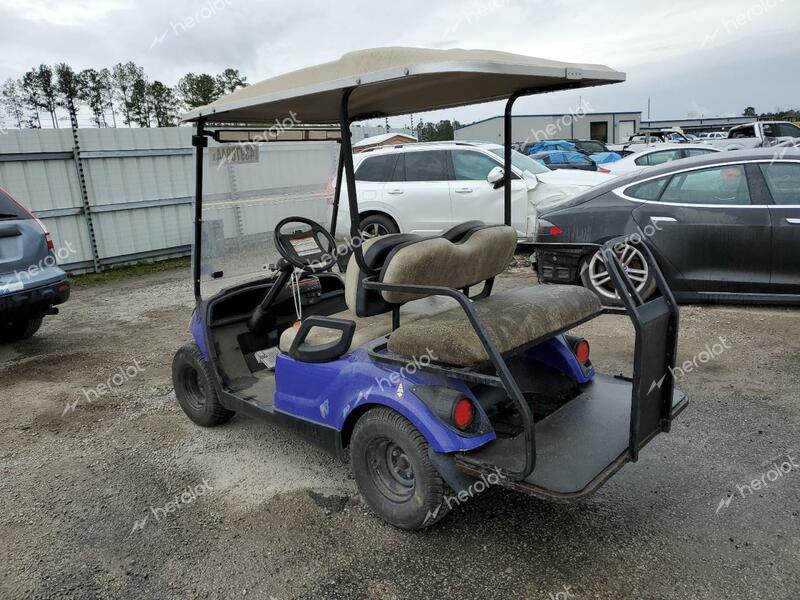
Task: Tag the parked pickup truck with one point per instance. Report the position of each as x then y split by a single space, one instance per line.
643 141
761 134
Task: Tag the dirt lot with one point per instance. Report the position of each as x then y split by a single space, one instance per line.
272 517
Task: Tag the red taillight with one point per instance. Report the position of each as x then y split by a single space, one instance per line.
50 244
582 352
463 414
63 287
547 228
603 170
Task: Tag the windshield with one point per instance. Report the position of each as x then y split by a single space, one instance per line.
247 189
785 130
522 162
591 146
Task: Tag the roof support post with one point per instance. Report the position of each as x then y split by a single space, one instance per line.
349 171
337 194
507 133
199 142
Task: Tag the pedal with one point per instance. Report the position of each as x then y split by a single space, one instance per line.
267 357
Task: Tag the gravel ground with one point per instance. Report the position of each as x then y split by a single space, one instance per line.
264 515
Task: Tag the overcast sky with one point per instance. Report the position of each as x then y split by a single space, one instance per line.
691 57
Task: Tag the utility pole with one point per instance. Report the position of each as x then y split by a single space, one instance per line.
648 109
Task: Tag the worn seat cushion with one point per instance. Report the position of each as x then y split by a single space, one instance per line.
367 328
512 320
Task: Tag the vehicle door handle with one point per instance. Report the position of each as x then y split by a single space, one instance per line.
394 192
663 219
463 190
793 221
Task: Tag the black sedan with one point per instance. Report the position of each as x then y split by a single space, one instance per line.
723 227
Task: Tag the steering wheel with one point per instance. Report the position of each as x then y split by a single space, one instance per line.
302 249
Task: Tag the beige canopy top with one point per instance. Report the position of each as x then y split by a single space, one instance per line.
396 81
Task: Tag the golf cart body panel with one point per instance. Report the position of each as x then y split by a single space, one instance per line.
328 393
517 396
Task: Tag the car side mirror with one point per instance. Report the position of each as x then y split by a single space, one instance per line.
496 177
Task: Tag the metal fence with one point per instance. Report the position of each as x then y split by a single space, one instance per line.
111 196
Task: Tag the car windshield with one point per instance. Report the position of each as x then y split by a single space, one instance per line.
785 130
522 162
591 146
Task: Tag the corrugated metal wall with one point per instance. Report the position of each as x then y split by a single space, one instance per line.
139 187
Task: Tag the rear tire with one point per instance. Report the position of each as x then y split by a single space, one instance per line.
592 275
194 388
393 471
20 330
375 225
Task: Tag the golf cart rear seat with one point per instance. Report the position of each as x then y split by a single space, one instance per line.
463 257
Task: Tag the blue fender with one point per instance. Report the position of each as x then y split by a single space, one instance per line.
328 393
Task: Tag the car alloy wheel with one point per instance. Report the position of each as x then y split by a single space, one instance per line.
374 230
633 263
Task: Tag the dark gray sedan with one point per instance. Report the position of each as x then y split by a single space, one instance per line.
723 228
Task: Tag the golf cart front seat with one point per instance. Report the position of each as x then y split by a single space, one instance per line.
439 327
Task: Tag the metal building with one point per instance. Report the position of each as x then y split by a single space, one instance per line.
612 127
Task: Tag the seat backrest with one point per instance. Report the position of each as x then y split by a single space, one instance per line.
464 256
363 302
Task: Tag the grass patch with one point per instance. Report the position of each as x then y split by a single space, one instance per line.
111 274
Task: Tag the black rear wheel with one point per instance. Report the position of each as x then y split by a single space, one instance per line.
394 472
20 330
194 388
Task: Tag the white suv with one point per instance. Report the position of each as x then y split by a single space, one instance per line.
427 188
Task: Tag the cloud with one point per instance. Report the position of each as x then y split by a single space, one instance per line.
717 56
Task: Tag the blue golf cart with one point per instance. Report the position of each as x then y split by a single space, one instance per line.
396 351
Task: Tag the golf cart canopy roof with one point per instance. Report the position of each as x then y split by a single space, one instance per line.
397 81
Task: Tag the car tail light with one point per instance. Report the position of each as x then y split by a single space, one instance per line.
581 350
50 244
463 414
63 287
602 170
547 228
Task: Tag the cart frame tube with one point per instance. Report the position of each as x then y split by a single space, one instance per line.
349 171
337 194
199 141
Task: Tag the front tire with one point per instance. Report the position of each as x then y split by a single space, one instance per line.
594 275
194 388
393 471
20 330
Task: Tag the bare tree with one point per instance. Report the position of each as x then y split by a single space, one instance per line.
107 85
12 101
